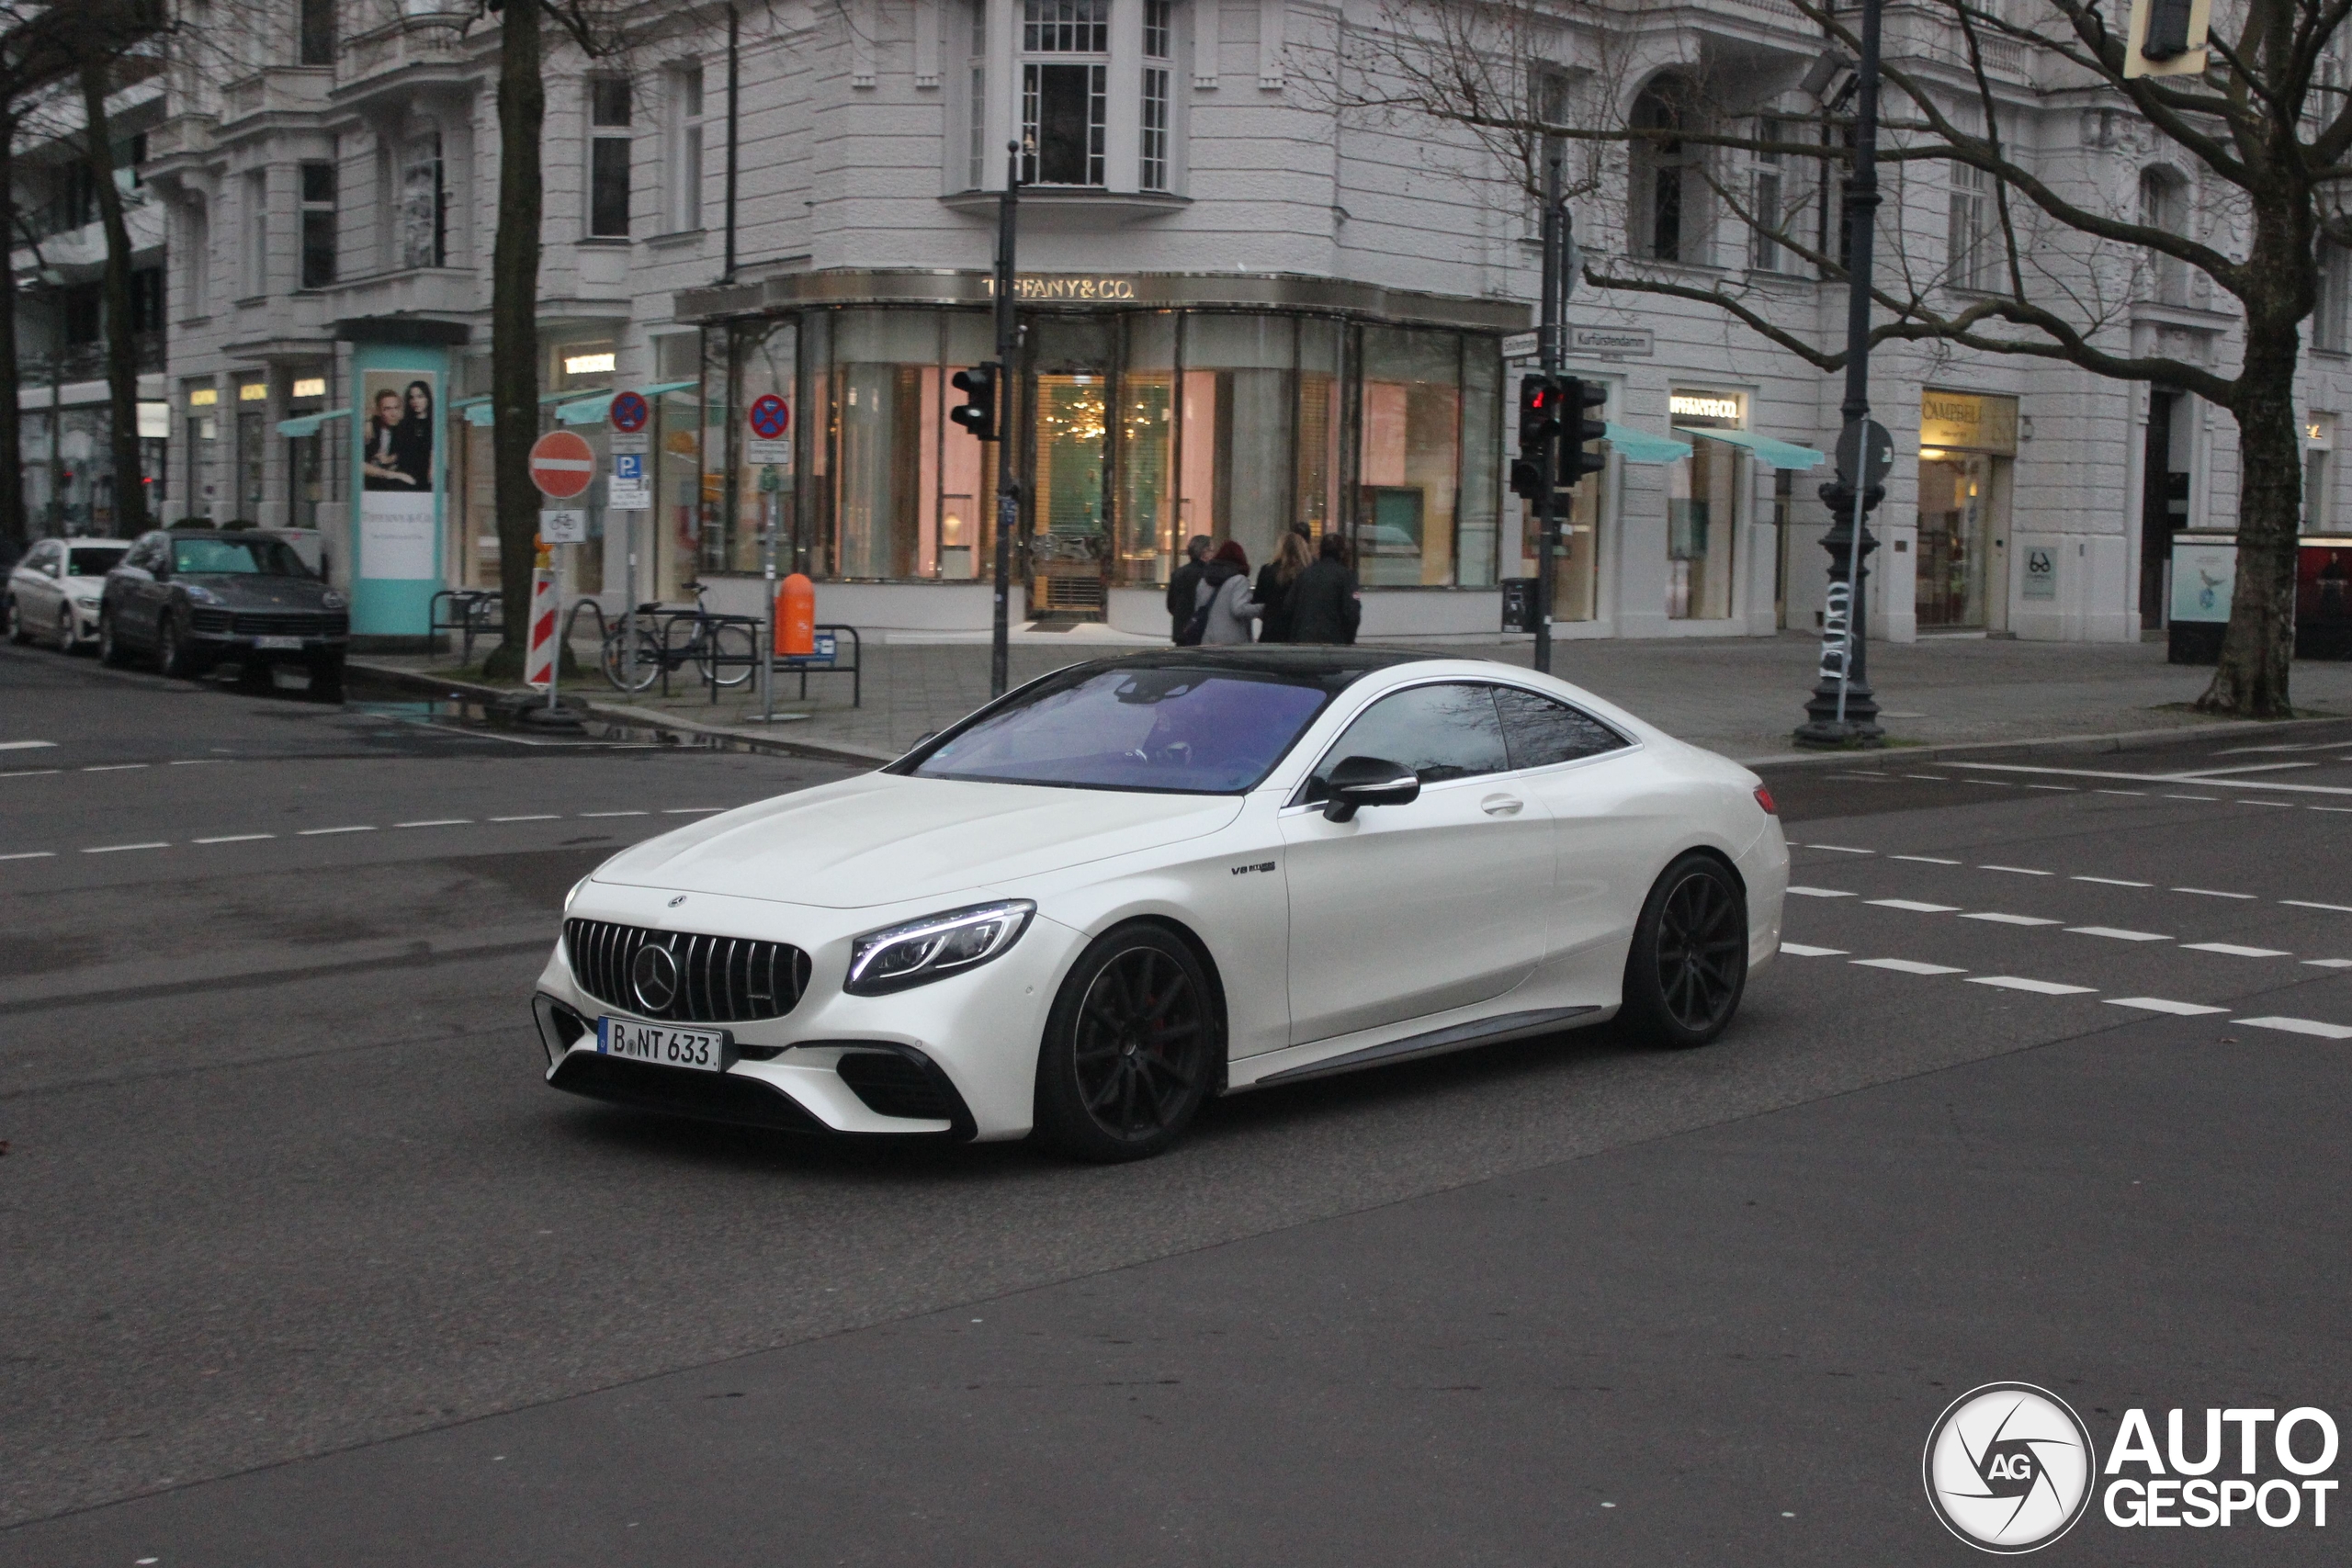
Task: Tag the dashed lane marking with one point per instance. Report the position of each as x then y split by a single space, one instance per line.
1819 892
691 810
2298 1026
588 814
439 822
2281 804
1909 966
26 745
1931 778
2307 903
2135 793
2192 778
1913 905
540 816
2001 919
117 849
2234 950
1926 860
235 839
323 832
114 768
1800 950
2193 797
1839 849
2110 881
2118 933
32 773
32 854
2329 963
2212 893
2159 1004
2062 789
2038 987
2020 870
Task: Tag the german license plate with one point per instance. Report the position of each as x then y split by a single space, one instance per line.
278 644
702 1050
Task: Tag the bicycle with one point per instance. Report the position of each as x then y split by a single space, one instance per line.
715 646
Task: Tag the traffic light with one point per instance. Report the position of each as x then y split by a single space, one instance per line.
1539 423
977 412
2167 30
1576 458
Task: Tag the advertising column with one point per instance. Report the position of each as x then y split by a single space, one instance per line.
396 537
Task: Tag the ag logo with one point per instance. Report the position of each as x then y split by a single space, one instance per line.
2008 1467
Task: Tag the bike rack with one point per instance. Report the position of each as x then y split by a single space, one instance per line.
467 614
807 665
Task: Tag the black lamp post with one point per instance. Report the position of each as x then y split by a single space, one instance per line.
1842 710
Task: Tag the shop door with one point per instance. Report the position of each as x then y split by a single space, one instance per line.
1068 428
1955 507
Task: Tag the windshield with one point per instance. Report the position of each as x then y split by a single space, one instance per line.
94 560
1183 731
227 558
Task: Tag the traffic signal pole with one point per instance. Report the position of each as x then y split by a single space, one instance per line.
1547 348
1008 489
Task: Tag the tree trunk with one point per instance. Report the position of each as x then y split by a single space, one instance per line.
122 351
2258 648
514 326
13 533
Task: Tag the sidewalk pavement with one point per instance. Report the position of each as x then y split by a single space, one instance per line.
1740 696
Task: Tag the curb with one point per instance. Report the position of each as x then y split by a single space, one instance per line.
426 684
2121 740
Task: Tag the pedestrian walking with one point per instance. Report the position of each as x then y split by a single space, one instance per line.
1225 607
1323 603
1292 556
1183 587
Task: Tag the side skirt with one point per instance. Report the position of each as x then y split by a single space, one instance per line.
1437 1042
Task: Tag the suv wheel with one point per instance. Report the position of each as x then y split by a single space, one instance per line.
18 631
112 650
174 656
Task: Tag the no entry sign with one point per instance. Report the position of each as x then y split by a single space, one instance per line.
562 464
629 413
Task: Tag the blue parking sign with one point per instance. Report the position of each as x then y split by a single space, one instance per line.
629 468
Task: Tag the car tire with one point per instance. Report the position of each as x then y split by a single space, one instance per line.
112 650
326 680
68 632
174 656
18 631
1689 961
1132 1047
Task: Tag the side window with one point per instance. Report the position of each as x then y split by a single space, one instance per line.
1541 732
1440 732
43 560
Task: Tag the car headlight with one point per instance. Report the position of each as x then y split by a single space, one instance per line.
570 897
332 601
201 594
88 601
934 947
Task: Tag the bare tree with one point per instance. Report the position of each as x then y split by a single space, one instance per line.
2063 254
122 351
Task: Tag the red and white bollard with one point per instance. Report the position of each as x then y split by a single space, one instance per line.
538 665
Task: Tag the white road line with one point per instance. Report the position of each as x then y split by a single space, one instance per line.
2200 774
1819 892
1931 778
2158 778
1925 860
2062 789
587 814
32 773
2329 963
2193 797
439 822
2038 987
2135 793
1798 950
2298 1026
1841 849
1909 966
196 761
1913 905
2110 881
323 832
115 768
32 854
2020 870
2159 1004
2307 903
691 810
26 745
542 816
235 839
2001 919
2118 934
117 849
2340 810
2282 804
2212 893
2234 950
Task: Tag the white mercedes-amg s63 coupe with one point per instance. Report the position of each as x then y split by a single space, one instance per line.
1139 882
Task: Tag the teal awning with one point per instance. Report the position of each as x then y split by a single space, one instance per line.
660 387
587 411
308 424
1641 447
480 413
1779 454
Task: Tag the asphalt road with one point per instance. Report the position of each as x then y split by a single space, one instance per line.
303 1264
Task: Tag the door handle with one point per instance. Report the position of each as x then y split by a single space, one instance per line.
1501 805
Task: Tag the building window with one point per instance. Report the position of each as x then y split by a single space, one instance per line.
1666 183
425 206
2328 309
2319 473
318 225
1065 101
2164 207
1768 204
608 155
196 284
1426 508
976 176
256 233
685 149
1973 239
147 299
315 25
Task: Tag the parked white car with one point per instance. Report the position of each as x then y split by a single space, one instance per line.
54 592
1139 882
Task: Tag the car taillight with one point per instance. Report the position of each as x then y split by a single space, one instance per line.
1764 799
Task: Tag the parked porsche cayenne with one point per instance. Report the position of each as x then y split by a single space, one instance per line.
190 597
1139 882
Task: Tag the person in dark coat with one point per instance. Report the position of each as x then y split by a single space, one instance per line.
1323 603
1183 587
1292 556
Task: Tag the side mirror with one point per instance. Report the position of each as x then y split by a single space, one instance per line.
1369 780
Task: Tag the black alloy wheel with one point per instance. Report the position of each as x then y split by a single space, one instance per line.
18 631
1130 1049
1689 963
66 640
112 650
171 656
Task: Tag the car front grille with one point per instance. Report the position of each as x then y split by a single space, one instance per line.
271 622
720 979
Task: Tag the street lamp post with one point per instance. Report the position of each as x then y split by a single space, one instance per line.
1008 487
1842 710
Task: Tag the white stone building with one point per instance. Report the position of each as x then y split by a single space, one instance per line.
1247 306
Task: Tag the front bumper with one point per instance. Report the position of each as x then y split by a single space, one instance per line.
235 644
954 1059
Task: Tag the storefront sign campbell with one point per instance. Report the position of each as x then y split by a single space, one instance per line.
1968 422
